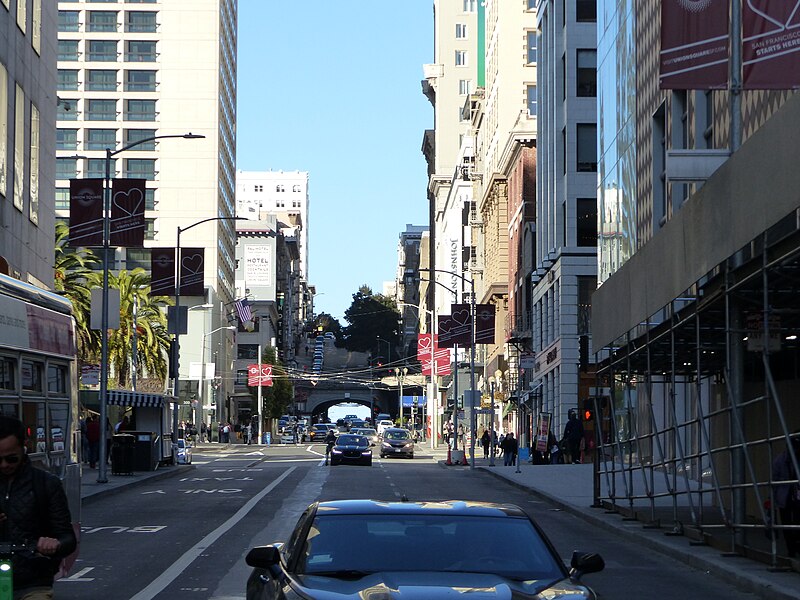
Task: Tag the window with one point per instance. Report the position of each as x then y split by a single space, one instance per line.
137 257
100 139
532 4
140 22
659 166
66 168
36 27
68 20
22 14
67 110
461 58
66 139
140 110
67 79
31 376
140 81
33 179
149 229
19 148
141 168
247 351
470 5
98 80
57 380
461 31
103 50
586 79
62 198
464 86
587 147
149 199
296 188
140 1
141 51
135 135
102 20
68 50
532 101
101 110
258 188
586 11
532 47
586 221
96 168
280 188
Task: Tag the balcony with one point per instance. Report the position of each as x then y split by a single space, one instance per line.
518 327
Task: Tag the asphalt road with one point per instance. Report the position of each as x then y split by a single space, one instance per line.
185 537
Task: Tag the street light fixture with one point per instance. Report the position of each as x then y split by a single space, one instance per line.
102 473
388 348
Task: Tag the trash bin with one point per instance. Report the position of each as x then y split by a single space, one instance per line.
145 455
122 454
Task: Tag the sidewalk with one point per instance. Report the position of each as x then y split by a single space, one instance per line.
570 487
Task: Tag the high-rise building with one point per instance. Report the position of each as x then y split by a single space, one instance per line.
27 141
407 286
129 71
565 254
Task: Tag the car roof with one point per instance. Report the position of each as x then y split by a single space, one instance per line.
442 508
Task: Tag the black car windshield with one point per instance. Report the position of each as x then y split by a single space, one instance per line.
395 434
352 440
506 546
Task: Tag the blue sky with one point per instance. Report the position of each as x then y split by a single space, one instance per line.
333 88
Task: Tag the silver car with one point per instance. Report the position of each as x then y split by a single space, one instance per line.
367 432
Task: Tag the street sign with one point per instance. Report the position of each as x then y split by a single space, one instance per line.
483 411
527 360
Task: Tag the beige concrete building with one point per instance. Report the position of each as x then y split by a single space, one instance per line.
27 140
133 70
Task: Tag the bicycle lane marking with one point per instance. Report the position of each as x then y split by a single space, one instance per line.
173 571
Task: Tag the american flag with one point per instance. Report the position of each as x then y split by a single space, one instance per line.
243 310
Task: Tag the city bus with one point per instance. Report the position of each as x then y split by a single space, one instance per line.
39 380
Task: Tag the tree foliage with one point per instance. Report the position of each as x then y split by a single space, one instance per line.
324 323
372 316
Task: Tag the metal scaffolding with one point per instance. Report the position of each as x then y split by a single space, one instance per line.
702 398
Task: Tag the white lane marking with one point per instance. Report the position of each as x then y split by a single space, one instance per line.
78 576
171 573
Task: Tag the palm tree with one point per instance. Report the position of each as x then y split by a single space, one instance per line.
152 338
74 277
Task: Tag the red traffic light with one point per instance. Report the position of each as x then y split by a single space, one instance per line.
587 415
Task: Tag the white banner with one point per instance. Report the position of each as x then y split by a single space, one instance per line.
258 265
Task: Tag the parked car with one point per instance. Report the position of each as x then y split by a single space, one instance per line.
351 449
183 452
397 442
352 549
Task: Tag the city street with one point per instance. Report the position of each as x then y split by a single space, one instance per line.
186 536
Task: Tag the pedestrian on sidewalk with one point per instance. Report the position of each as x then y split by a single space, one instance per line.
486 440
509 447
787 495
573 434
93 438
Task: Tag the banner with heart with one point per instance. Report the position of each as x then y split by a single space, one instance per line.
85 212
259 374
192 271
127 212
770 44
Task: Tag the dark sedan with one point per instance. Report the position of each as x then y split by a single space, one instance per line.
319 431
397 442
355 549
351 449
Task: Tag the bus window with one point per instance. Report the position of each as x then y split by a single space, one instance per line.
31 376
56 380
7 370
59 412
33 417
9 409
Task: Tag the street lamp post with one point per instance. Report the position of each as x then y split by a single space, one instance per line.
491 422
102 473
401 375
198 421
177 348
471 283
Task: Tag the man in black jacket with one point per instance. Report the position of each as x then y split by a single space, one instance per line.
34 516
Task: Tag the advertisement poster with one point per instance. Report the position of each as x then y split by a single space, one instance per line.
770 43
694 45
258 265
543 431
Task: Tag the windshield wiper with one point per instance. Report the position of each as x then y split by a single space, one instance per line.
342 574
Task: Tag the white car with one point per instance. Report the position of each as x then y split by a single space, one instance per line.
383 425
183 452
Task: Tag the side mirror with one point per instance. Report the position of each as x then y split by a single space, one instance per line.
263 557
585 562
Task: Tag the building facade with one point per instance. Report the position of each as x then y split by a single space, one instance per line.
27 140
131 71
407 287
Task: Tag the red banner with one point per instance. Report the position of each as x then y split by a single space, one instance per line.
424 349
85 212
694 44
127 213
192 269
259 375
770 43
162 271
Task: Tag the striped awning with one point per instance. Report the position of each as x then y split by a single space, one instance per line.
136 399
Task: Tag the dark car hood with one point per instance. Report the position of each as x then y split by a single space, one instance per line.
362 448
432 586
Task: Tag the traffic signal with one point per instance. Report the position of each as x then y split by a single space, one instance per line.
588 415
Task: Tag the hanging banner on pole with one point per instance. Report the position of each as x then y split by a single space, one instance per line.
694 45
85 212
192 269
259 375
127 213
162 271
484 323
770 44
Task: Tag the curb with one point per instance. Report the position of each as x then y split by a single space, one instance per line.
729 573
105 492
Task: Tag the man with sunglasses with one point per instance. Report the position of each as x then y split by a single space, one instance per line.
34 516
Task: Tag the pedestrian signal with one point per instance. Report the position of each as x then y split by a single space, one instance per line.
588 415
